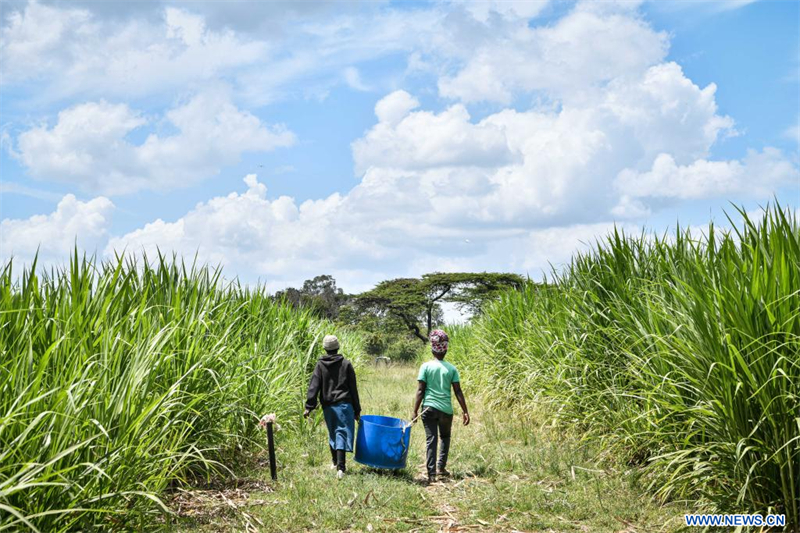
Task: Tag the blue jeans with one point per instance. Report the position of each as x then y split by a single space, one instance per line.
340 419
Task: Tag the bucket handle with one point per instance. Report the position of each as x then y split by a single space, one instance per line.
403 439
408 428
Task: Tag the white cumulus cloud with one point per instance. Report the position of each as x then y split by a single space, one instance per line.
758 174
424 139
54 236
515 190
614 131
540 166
591 44
89 147
395 106
246 229
71 52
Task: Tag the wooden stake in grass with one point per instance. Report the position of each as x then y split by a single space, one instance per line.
271 445
268 421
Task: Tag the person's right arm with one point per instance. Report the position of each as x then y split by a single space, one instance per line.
421 386
313 390
461 401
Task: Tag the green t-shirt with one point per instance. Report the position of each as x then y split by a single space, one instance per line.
439 377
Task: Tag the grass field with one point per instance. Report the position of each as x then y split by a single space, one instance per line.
119 381
677 354
655 375
510 473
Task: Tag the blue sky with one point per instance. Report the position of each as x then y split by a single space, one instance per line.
372 140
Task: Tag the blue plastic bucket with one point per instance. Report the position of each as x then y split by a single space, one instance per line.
382 441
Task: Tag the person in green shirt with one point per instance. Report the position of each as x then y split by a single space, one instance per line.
435 379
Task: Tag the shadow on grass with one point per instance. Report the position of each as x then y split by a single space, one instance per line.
401 474
480 470
405 475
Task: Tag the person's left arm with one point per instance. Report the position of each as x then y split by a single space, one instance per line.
353 386
461 401
460 397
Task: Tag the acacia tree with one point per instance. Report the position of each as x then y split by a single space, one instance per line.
416 301
468 290
401 299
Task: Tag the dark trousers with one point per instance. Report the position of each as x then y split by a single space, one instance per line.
437 427
339 459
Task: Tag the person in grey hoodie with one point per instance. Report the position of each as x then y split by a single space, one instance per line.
334 382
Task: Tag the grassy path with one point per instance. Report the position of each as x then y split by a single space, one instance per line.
508 475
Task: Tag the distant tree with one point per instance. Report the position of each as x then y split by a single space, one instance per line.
416 302
324 295
319 294
471 291
375 343
402 299
291 296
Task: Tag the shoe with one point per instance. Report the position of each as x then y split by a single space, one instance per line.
332 466
443 473
340 474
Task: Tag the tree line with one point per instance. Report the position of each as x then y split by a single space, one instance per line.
401 311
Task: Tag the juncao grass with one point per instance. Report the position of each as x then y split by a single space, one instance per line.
678 354
120 380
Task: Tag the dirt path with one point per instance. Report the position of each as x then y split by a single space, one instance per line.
509 475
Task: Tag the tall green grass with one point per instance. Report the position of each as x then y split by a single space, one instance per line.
119 380
681 353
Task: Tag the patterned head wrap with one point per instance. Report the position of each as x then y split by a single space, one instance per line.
439 341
